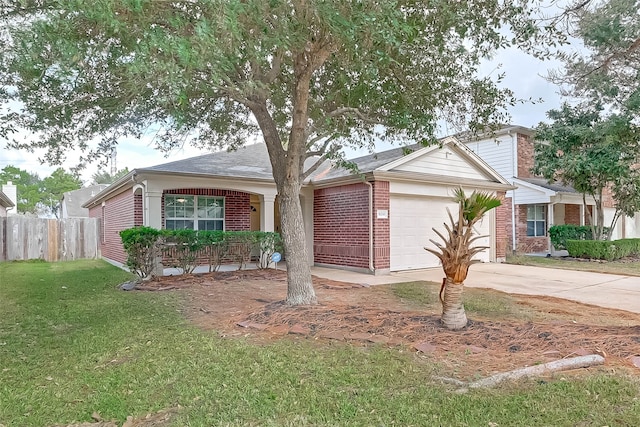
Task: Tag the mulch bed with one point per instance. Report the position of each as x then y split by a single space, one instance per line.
250 303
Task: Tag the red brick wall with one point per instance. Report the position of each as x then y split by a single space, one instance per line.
381 227
572 214
341 225
503 226
607 198
525 243
525 156
118 215
237 206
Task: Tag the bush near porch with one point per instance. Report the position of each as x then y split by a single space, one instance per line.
186 249
559 234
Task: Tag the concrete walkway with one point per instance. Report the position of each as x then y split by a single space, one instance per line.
605 290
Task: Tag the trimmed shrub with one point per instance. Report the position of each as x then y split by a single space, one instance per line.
215 247
142 247
606 250
241 244
627 247
185 249
559 234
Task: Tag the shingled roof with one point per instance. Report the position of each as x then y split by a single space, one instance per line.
365 164
250 161
554 186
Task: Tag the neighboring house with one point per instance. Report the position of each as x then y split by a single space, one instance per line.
5 204
536 205
72 201
8 199
378 221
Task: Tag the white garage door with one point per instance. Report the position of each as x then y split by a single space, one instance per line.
411 221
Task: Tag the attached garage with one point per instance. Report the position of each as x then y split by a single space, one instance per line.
412 219
382 219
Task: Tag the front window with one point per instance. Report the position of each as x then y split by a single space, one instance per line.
536 221
193 212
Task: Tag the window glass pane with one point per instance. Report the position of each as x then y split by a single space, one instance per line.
531 212
531 228
209 225
540 228
169 206
540 212
178 206
189 202
210 207
179 224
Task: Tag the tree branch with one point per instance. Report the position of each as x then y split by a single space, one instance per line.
320 161
605 64
320 151
274 71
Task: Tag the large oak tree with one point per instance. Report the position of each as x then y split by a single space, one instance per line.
308 75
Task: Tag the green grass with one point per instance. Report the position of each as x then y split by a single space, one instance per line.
622 267
72 344
419 294
477 302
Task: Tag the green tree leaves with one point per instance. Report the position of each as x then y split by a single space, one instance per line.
591 153
609 71
37 195
27 186
55 185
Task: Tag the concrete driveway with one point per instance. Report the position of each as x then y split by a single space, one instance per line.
605 290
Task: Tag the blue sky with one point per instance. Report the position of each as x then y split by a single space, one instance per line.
524 75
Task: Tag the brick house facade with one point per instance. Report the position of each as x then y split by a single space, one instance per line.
511 152
343 233
349 219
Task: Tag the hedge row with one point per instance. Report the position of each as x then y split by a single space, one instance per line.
185 249
607 250
559 234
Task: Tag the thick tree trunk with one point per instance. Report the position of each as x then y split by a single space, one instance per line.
300 289
453 315
288 164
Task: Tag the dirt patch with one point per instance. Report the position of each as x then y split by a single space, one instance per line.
249 303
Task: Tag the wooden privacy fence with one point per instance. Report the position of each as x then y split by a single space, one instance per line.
23 238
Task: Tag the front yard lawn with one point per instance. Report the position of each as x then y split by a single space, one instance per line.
626 267
72 344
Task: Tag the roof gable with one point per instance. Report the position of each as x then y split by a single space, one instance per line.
448 159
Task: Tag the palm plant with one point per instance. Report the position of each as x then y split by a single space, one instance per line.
456 253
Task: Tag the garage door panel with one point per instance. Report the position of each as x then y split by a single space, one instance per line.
411 221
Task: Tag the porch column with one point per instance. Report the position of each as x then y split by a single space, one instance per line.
267 216
582 212
153 209
550 222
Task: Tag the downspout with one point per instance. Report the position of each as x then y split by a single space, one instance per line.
514 164
371 266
